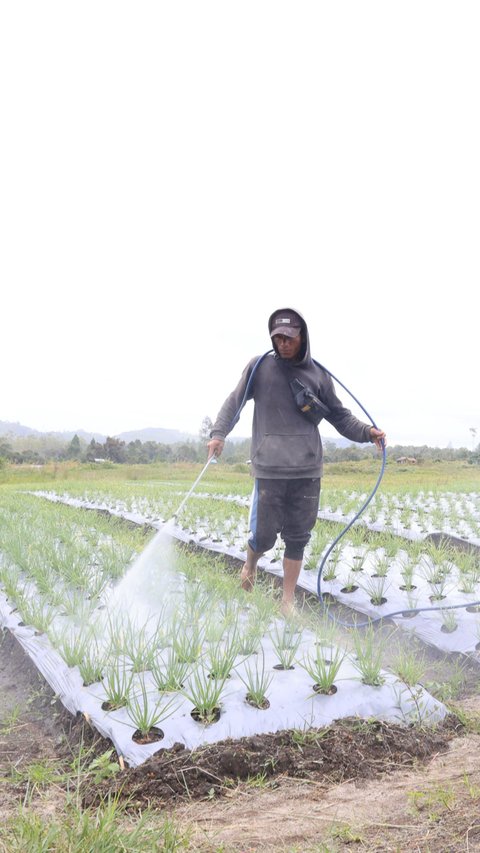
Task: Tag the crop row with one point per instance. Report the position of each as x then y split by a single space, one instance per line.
202 647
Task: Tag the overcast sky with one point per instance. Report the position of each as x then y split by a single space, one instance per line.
173 172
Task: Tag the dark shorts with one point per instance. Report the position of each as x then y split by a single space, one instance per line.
288 507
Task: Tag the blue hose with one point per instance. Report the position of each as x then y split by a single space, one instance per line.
371 619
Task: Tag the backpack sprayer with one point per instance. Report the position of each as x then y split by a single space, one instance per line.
315 410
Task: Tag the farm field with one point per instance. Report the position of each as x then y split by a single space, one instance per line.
370 705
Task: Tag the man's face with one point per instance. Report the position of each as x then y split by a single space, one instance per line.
287 347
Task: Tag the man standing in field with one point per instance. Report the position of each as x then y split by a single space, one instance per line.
291 395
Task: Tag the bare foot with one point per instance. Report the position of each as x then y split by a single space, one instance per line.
247 578
287 608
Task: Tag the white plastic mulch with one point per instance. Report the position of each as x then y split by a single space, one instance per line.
293 702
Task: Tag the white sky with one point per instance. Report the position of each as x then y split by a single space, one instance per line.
173 172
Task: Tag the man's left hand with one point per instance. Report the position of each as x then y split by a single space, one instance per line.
378 437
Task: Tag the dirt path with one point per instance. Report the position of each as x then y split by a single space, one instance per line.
377 787
434 807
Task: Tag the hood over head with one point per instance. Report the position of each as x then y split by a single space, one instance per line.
289 322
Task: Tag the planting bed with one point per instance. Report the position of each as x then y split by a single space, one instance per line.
381 785
195 664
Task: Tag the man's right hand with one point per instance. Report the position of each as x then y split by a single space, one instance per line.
215 447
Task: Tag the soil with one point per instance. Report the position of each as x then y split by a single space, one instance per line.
379 786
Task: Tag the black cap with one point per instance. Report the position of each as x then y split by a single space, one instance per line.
286 323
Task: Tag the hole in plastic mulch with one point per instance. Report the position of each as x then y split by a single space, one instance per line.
152 736
261 706
325 691
211 716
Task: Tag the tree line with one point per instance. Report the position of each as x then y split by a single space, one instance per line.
38 450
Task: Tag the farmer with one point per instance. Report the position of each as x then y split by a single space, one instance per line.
291 395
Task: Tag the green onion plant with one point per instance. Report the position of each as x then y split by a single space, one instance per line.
257 681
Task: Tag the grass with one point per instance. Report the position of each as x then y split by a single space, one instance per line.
433 801
454 476
38 776
105 829
11 721
410 665
69 827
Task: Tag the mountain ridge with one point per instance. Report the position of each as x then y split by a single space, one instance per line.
161 435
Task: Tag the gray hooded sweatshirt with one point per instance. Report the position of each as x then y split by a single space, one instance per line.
285 443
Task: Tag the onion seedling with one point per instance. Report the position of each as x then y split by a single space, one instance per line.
12 582
322 670
449 621
71 644
168 672
47 583
412 601
75 605
257 682
196 602
326 630
92 665
262 607
438 587
221 657
137 647
406 572
145 714
117 683
359 559
374 588
468 584
350 584
369 653
188 642
285 643
250 638
381 565
37 613
204 693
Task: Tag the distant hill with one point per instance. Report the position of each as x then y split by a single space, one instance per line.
161 435
158 434
17 430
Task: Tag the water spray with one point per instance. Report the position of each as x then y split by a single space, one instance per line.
144 585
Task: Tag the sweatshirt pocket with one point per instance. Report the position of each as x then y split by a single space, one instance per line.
288 451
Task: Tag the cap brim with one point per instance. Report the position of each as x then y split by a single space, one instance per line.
288 331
